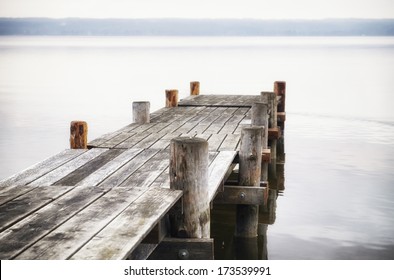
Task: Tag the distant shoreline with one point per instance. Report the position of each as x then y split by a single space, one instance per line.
194 27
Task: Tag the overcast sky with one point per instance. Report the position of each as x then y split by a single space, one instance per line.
260 9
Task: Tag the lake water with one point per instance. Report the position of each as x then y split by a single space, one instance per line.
338 197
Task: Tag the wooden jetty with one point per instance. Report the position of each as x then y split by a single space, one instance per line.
145 190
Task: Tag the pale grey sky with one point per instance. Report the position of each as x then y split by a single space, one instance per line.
259 9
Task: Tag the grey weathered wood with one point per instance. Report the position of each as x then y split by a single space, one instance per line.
230 143
217 171
184 249
189 173
149 171
66 240
259 117
81 173
23 234
55 175
220 100
105 171
215 141
102 139
250 155
141 111
119 238
120 138
39 169
20 207
120 175
270 99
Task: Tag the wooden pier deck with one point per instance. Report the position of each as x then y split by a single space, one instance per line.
104 202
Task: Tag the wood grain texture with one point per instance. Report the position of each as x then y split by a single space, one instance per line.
118 239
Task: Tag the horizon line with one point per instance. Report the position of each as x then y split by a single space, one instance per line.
197 18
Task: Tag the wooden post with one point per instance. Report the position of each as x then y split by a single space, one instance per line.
78 135
249 175
194 88
141 110
171 98
189 172
270 98
280 90
260 118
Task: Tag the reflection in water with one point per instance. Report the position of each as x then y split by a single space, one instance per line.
224 218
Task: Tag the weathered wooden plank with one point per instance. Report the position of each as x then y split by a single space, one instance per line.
163 180
118 239
65 240
101 174
164 142
217 171
150 140
184 249
39 169
220 100
79 174
218 124
131 141
249 195
120 175
55 175
186 127
34 227
149 171
230 143
104 138
142 251
117 139
20 207
215 140
157 128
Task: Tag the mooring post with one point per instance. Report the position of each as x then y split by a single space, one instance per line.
270 98
78 135
260 118
189 173
280 90
171 98
141 110
194 88
249 175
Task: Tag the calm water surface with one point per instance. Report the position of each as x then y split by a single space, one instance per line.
338 197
